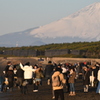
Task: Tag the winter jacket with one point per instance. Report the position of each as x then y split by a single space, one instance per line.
7 69
20 73
10 76
63 81
86 79
48 70
28 71
72 77
39 75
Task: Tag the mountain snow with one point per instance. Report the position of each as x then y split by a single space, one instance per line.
83 24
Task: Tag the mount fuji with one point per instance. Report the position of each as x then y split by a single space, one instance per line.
83 25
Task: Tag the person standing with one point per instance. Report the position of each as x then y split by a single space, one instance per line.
86 79
98 78
93 76
1 82
48 70
10 77
58 89
20 77
9 64
38 78
71 81
28 72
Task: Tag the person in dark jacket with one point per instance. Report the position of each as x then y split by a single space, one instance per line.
93 76
20 77
86 79
10 77
9 64
1 83
48 70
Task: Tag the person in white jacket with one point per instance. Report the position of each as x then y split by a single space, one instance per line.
28 72
98 77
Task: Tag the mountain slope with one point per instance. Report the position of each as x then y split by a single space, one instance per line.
22 38
83 24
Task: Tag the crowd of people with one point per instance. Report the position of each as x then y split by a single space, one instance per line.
58 76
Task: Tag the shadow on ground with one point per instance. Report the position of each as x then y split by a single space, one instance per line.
45 93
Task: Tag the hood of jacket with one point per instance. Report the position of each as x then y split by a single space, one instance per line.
56 73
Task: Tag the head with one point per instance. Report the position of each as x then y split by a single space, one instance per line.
72 69
85 68
49 62
58 69
9 63
28 63
59 65
35 66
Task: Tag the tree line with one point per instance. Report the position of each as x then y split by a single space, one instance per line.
92 48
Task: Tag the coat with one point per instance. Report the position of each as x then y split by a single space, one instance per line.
48 70
20 73
72 77
39 75
56 73
98 87
28 71
86 79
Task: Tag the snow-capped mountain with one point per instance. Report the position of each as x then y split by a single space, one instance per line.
83 25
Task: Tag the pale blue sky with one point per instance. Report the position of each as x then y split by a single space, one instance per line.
19 15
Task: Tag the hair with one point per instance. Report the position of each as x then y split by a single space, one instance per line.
49 61
59 65
58 69
84 67
9 62
72 69
28 63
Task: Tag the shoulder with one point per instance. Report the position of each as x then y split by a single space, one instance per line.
61 76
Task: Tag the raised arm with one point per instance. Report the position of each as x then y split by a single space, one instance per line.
22 67
32 69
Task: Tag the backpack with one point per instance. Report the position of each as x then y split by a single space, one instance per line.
56 81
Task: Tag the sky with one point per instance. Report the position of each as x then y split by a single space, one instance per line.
20 15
